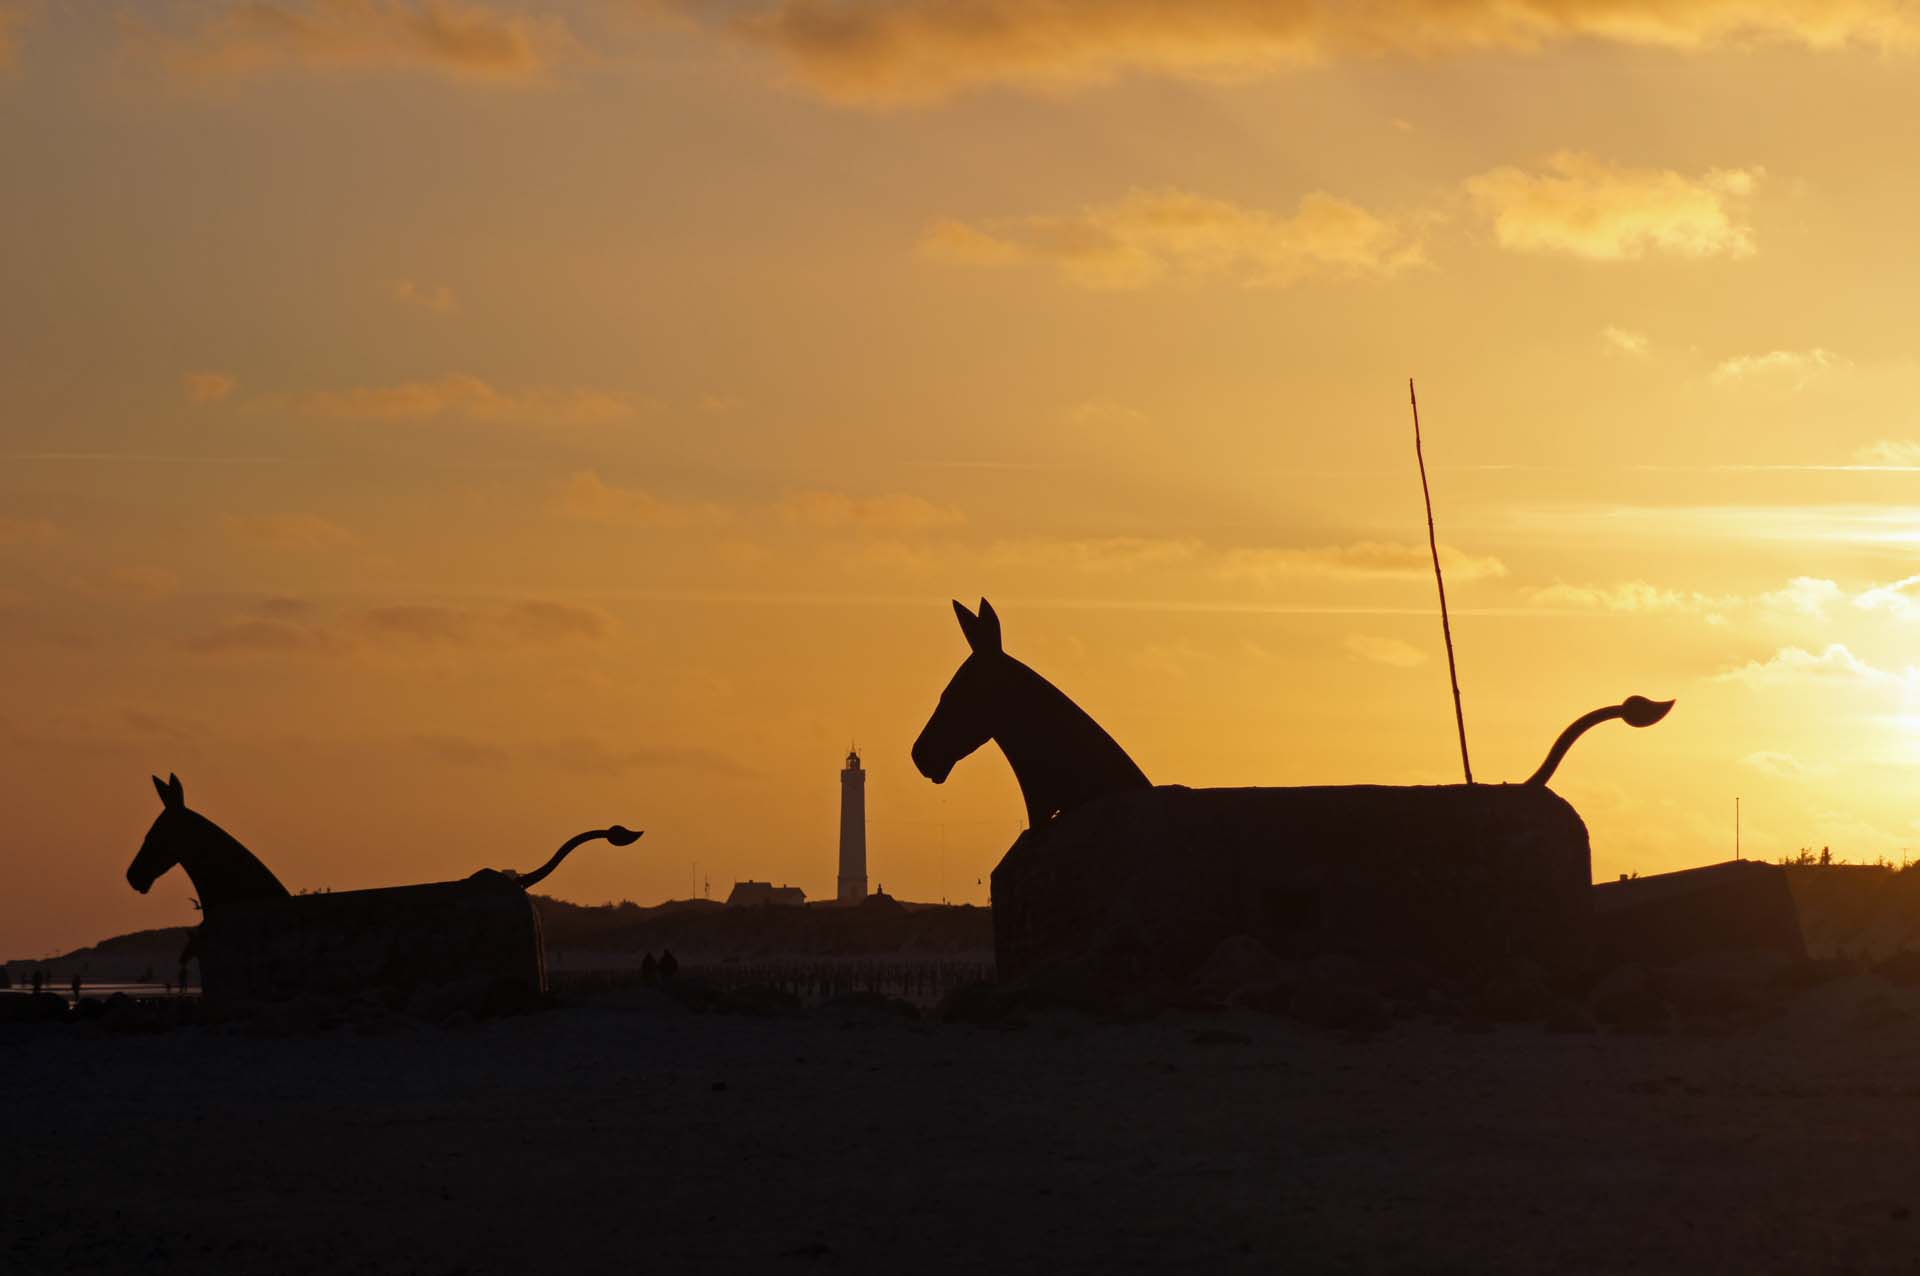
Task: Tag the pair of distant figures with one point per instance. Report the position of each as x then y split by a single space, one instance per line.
652 971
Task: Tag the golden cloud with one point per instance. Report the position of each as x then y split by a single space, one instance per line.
406 292
26 531
206 387
1359 561
466 398
1385 651
1779 367
587 498
1586 207
1096 554
1148 235
287 531
1625 340
532 622
14 16
1836 663
880 53
898 512
451 38
144 582
261 635
1629 596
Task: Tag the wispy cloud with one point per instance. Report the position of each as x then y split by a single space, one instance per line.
14 17
1781 766
587 497
523 623
455 39
1625 341
1582 206
207 387
896 512
1629 596
286 531
1898 454
1150 236
26 531
461 397
1833 664
435 300
1104 554
1853 524
882 53
1385 651
1358 561
590 755
1795 368
263 634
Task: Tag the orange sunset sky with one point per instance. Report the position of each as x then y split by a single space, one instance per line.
434 427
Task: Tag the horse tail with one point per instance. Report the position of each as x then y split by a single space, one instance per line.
1638 711
617 835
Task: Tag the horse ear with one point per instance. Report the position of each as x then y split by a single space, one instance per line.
160 787
988 627
969 623
175 795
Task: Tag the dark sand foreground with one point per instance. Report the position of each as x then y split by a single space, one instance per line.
655 1140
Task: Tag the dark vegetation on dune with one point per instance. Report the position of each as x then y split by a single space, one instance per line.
707 932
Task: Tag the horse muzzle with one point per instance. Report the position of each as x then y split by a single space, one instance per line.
935 771
142 886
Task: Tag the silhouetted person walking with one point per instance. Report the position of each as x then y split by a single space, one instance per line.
669 966
649 969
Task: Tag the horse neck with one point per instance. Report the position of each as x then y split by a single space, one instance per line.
222 870
1060 756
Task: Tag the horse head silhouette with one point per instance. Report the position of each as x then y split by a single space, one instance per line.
1060 756
221 868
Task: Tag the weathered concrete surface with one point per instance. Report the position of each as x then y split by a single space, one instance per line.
1738 906
479 931
1136 891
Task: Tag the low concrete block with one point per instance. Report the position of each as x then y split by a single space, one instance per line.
481 930
1136 891
1737 906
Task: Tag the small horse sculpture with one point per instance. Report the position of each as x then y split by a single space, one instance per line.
1061 756
247 909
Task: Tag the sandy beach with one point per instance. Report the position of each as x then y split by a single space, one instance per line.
654 1139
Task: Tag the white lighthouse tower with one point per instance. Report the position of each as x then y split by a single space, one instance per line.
853 830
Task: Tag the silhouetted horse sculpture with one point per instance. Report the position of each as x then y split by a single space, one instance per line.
1061 756
258 942
1116 874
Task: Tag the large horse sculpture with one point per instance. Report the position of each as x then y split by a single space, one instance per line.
260 943
1115 872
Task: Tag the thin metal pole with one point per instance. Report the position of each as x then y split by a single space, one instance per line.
1446 626
1736 828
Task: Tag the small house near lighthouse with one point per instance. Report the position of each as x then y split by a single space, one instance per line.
853 830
